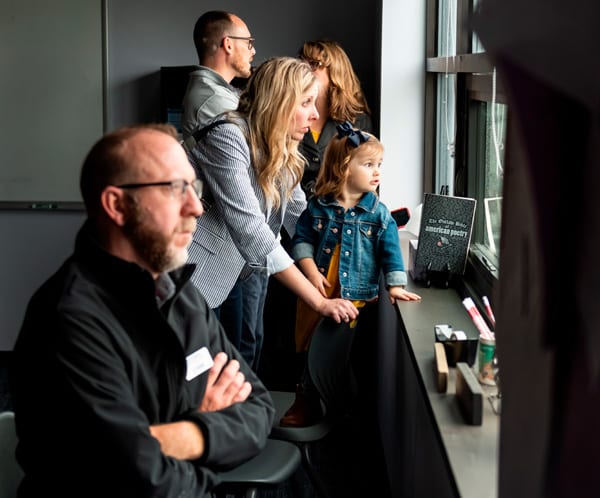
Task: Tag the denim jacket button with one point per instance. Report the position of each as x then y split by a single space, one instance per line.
327 251
348 231
344 274
322 270
352 213
334 230
347 253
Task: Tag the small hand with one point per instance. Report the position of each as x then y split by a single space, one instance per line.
320 282
225 386
401 293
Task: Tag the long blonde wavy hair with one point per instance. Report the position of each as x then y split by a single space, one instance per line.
346 97
269 101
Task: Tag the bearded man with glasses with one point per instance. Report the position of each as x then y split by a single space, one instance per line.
123 381
225 51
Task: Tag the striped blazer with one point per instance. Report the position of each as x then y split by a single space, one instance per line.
239 232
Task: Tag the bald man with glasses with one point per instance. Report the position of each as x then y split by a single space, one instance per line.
123 381
225 49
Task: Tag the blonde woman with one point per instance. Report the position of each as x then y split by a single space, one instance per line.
252 167
340 99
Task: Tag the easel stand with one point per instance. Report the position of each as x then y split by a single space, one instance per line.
439 278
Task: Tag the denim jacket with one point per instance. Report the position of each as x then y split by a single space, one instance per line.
369 244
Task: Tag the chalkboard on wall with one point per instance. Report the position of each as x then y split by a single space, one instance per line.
51 97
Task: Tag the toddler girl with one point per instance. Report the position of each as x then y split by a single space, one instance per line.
344 239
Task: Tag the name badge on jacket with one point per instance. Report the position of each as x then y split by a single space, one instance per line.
197 363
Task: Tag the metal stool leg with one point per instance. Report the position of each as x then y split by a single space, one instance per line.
313 475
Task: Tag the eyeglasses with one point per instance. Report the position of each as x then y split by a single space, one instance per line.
249 38
178 187
314 64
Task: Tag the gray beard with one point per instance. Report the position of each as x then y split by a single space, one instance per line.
150 245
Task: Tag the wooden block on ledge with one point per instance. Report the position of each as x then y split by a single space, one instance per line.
469 394
440 368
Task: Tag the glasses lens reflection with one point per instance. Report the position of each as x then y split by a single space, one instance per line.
179 187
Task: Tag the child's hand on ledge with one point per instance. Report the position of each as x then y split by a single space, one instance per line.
398 292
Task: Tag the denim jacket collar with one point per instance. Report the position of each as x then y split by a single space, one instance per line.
368 203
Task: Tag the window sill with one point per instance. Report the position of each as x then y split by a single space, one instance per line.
471 451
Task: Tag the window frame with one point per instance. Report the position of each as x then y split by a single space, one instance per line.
474 83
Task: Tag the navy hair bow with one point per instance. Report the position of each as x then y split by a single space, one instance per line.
355 137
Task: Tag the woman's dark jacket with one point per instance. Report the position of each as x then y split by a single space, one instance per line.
313 152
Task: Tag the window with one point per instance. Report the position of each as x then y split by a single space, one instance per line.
486 177
465 132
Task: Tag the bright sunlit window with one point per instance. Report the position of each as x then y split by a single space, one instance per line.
466 128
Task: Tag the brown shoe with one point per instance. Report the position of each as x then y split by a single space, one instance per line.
306 410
